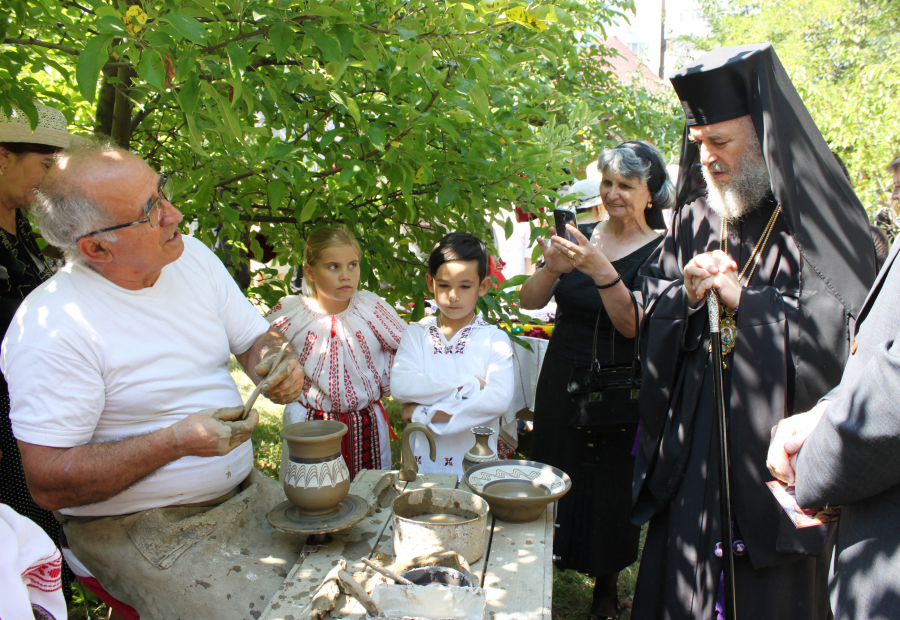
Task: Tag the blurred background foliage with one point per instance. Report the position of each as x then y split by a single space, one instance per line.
401 119
842 56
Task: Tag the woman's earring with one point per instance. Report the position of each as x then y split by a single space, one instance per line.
649 205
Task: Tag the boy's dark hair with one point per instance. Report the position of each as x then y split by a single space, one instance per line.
459 246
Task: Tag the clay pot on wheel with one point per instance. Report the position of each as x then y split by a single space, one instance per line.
317 479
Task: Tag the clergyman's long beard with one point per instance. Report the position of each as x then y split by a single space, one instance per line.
745 190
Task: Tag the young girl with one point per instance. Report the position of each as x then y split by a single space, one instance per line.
346 340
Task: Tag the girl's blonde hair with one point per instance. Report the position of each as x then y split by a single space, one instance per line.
320 240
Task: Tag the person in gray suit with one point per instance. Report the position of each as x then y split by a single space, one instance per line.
846 451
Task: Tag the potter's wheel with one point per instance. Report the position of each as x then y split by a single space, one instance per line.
286 517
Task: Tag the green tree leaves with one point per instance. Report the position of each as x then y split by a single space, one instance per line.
90 62
841 57
402 120
188 27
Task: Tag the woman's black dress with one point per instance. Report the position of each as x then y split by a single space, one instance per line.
595 534
25 269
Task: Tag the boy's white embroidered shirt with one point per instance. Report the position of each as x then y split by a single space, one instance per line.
443 376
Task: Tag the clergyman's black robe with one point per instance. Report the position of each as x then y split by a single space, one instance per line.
676 477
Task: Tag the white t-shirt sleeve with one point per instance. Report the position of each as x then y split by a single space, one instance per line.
243 323
58 397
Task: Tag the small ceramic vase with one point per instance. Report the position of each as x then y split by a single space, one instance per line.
317 479
481 451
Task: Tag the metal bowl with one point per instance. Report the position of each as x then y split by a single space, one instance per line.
517 491
427 575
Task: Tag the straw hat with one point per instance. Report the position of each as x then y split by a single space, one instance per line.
51 128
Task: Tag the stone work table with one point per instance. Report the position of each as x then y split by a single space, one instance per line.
516 569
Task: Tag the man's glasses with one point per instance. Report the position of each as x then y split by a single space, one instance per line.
152 210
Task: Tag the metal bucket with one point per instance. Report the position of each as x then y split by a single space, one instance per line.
417 533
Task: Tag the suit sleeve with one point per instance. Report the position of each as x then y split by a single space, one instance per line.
854 452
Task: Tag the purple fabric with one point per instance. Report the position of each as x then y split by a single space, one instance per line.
720 598
637 440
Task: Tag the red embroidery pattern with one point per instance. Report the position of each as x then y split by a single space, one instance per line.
462 341
437 345
274 309
334 388
504 450
384 343
46 576
281 324
352 401
361 446
369 363
367 384
307 347
390 323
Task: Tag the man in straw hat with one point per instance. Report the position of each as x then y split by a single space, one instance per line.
129 422
24 158
779 235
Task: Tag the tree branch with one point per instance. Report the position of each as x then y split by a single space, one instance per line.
247 35
268 219
235 178
38 43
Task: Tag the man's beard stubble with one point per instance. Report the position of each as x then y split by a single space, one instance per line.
746 188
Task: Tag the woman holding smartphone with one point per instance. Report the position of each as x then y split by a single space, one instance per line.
590 277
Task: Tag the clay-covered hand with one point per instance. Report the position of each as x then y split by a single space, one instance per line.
553 259
712 270
285 384
586 256
214 432
406 413
788 436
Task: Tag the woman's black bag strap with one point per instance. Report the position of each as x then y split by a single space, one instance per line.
636 362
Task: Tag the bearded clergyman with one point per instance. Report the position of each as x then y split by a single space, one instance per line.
774 228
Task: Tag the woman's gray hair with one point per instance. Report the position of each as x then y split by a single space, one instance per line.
63 212
625 162
894 166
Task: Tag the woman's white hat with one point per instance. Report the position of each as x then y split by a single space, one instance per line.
588 192
51 129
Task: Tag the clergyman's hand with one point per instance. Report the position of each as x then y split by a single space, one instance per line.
285 383
214 432
712 270
788 436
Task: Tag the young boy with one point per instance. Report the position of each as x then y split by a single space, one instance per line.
455 370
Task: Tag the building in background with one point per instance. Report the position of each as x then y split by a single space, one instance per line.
646 38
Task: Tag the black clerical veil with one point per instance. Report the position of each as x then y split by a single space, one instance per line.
822 212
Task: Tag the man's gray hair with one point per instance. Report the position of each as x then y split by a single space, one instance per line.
625 162
894 166
63 212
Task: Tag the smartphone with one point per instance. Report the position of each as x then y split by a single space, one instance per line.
561 217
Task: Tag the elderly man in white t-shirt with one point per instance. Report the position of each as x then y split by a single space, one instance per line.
128 420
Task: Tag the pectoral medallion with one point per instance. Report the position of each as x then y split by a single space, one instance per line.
727 329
